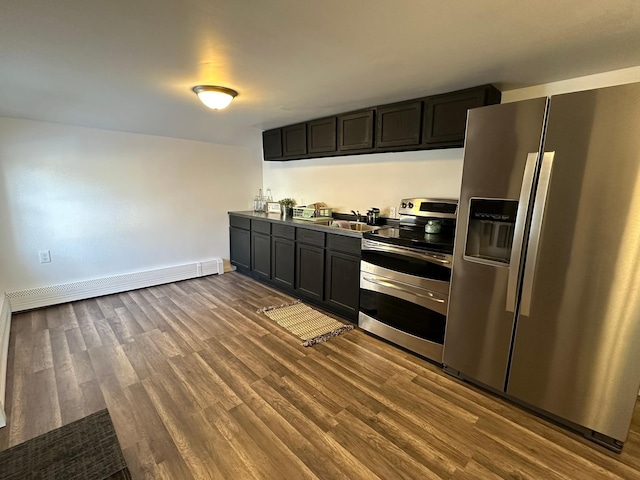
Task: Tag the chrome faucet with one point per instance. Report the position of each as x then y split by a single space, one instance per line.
356 213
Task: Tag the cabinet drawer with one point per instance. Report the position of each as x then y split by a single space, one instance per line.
344 244
261 226
283 231
310 237
240 222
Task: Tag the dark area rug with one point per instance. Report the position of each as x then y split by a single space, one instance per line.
86 449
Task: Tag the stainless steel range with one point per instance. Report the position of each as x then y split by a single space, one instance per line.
404 276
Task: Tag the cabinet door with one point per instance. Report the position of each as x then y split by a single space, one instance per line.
272 144
355 130
399 124
445 116
310 271
294 140
240 247
343 283
261 255
321 135
283 254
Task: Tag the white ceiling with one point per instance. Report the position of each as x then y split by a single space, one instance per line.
130 64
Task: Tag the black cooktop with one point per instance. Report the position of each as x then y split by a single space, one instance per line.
415 237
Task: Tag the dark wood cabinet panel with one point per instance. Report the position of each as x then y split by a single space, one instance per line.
425 123
283 231
355 130
272 144
294 140
240 247
261 226
321 136
445 116
310 271
261 255
399 124
342 291
310 237
283 255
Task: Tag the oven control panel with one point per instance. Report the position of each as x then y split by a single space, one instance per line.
427 207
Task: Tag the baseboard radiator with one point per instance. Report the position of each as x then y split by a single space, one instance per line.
69 292
5 322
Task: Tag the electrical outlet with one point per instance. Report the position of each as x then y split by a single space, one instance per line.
392 212
45 256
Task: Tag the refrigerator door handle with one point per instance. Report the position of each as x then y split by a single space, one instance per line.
536 230
518 234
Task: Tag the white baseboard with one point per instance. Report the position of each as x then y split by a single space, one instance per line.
5 323
68 292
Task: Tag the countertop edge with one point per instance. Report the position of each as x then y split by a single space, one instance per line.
277 218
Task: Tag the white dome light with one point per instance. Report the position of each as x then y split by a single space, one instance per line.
216 98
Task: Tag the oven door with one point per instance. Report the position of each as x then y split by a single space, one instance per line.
406 310
409 261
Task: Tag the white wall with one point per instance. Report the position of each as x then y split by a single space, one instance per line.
360 182
106 203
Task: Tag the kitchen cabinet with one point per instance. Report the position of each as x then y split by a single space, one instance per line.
342 275
355 130
310 263
240 242
261 249
318 266
445 116
294 140
272 144
322 136
438 121
399 124
283 254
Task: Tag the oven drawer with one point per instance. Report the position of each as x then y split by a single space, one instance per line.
426 298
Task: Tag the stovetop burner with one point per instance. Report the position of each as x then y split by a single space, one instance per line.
414 237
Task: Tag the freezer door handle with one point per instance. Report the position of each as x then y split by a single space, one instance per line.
536 230
518 234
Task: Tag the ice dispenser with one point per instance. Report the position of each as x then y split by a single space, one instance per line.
490 233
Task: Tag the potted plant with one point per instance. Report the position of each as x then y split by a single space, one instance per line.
286 206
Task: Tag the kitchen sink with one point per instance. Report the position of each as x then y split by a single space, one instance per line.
362 227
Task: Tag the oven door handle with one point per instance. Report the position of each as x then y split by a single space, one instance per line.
383 247
403 287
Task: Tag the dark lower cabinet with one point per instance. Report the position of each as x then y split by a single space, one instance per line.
261 255
319 267
310 271
240 247
283 255
342 285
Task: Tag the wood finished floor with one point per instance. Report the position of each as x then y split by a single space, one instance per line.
200 386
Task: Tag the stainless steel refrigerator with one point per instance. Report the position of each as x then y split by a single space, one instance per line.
545 290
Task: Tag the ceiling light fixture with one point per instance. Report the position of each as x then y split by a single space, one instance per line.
216 98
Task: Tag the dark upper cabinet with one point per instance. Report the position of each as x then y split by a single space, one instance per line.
445 116
321 136
399 124
419 124
294 140
272 144
355 130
